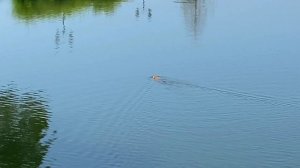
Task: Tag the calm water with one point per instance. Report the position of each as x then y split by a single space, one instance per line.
75 86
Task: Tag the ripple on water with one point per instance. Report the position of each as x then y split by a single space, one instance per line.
150 124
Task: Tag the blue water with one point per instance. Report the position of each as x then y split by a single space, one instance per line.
228 95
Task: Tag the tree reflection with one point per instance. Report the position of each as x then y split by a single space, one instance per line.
194 14
39 9
24 121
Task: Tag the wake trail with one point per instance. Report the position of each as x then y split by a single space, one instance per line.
257 97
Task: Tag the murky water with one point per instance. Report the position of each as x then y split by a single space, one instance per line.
76 87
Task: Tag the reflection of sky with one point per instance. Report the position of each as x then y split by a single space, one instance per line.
236 34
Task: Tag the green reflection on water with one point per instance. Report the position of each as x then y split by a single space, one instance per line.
40 9
24 121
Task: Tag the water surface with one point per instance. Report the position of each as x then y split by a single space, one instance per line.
76 88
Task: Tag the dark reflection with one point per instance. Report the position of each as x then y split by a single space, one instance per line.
60 35
143 4
137 12
24 123
194 14
149 11
71 39
38 9
57 39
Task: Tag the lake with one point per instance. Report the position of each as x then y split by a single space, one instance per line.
76 87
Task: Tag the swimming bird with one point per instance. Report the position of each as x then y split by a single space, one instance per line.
155 77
